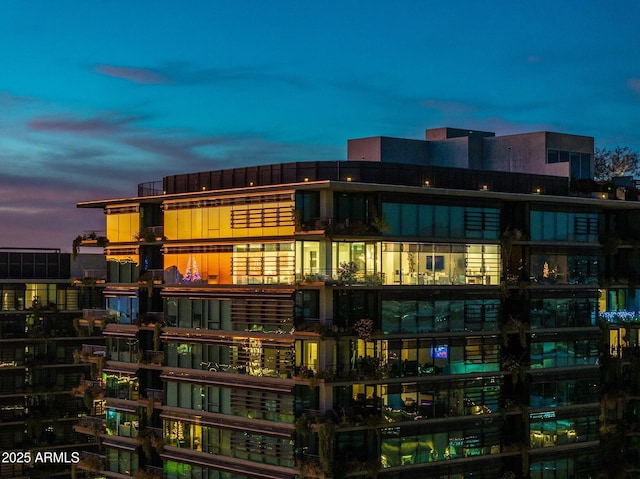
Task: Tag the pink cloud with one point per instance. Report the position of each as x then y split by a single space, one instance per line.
133 74
95 125
634 84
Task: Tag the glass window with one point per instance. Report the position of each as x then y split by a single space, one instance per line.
307 208
425 223
391 212
443 221
308 261
410 220
553 354
564 226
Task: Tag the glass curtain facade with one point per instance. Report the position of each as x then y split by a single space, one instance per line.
296 323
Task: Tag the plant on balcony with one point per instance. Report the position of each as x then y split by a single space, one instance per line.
519 374
149 442
156 336
347 273
610 243
100 241
374 279
93 425
92 463
146 235
314 278
507 238
75 247
373 467
326 435
379 222
88 399
99 365
309 467
79 332
296 217
142 474
363 328
150 406
146 279
302 425
514 325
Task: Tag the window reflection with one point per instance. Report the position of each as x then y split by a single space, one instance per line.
557 354
420 263
557 432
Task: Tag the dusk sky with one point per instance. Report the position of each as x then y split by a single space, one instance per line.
98 96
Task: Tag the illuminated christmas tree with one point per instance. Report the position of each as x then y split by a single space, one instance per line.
192 274
545 270
195 274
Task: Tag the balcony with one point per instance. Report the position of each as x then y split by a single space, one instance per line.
92 462
150 234
92 353
90 425
375 227
314 225
94 313
151 318
93 238
93 350
155 394
154 472
96 318
154 358
340 277
348 275
97 275
150 188
96 389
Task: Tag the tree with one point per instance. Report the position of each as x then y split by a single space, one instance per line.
621 161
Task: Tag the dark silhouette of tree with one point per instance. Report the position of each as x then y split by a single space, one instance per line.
620 161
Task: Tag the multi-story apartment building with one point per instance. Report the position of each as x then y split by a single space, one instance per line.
420 310
42 295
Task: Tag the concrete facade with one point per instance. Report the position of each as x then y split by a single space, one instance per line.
482 150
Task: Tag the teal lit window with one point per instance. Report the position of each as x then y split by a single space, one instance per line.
407 219
564 226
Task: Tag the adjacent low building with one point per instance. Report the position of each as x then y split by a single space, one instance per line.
42 295
427 308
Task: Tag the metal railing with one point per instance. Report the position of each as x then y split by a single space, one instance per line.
155 394
153 357
93 350
94 313
94 273
150 188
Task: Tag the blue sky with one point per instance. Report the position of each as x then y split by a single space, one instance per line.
98 96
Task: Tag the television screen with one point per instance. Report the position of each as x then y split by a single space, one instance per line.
440 352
